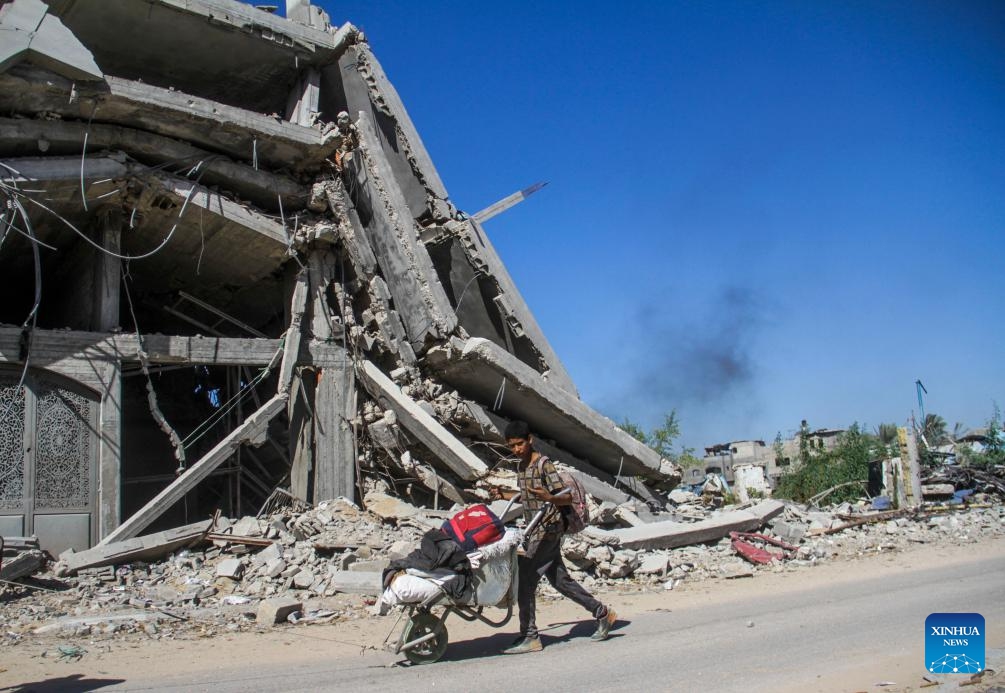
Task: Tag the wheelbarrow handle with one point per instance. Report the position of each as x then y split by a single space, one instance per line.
509 505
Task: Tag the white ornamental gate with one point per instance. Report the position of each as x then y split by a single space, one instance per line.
48 459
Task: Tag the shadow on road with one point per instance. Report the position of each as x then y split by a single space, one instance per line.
74 683
495 644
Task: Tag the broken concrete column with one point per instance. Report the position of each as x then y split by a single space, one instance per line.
419 423
334 441
418 295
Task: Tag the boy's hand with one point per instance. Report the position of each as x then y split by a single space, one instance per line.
540 493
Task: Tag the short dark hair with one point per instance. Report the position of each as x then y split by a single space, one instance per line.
517 429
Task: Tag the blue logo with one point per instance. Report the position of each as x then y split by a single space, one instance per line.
954 643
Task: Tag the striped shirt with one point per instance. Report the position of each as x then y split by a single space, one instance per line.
540 474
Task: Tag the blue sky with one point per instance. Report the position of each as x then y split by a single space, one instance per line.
756 212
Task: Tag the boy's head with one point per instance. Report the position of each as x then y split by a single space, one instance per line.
519 439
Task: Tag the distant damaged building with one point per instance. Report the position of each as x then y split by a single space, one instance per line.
214 286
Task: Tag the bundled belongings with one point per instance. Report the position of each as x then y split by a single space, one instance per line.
486 581
436 551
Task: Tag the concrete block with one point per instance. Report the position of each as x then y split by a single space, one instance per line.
788 532
275 568
679 496
303 580
267 555
26 563
653 564
356 583
230 568
277 609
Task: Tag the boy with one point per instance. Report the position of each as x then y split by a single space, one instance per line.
538 482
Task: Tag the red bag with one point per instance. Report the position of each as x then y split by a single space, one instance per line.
474 527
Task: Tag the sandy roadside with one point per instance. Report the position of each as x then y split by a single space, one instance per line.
36 661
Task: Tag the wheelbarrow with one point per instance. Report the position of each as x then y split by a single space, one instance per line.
424 638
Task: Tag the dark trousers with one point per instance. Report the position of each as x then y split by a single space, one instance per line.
547 561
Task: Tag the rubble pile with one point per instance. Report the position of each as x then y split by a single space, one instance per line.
323 564
216 586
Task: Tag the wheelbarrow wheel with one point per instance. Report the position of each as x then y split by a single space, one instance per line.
431 650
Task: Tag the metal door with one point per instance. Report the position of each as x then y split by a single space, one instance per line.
48 455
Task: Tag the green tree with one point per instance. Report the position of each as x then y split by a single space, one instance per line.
995 444
887 433
935 430
634 430
662 439
848 461
994 447
779 450
804 443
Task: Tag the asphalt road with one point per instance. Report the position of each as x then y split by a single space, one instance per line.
769 642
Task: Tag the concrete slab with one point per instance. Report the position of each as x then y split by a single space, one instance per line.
668 535
424 427
31 34
242 134
143 548
483 371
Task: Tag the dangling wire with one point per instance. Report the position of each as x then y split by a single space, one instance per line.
28 326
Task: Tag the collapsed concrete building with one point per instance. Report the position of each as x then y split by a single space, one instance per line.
214 287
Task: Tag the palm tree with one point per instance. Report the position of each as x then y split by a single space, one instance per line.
959 429
934 430
887 433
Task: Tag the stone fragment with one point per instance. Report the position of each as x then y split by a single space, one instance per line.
266 555
275 568
277 609
230 568
653 564
388 507
680 496
303 580
247 527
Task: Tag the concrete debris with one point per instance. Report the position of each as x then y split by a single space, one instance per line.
147 547
231 568
277 610
666 535
24 563
322 563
